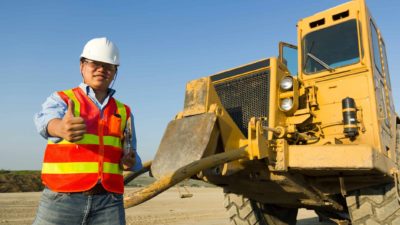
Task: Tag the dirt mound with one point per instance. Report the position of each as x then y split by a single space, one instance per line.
20 181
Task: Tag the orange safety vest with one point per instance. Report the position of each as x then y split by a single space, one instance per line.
78 166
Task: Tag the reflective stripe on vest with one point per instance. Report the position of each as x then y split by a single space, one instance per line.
122 113
70 168
80 167
111 168
77 104
93 139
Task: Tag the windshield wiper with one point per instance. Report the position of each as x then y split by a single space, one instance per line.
322 63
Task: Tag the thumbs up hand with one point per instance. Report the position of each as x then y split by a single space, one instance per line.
70 109
69 128
72 128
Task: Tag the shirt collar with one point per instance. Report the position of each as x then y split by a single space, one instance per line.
90 93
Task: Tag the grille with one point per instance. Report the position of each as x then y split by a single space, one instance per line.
245 97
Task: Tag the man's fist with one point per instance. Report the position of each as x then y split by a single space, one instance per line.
128 161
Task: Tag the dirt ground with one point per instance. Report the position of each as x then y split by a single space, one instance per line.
204 208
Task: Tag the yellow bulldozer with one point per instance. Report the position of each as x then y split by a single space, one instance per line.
313 128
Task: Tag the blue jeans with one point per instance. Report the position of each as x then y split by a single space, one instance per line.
76 208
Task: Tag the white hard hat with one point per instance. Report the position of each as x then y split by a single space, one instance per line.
102 50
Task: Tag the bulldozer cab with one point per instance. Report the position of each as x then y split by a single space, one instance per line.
342 54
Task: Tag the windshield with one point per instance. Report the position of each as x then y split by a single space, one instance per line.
330 48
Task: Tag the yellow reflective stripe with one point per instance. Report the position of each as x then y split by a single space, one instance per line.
91 139
112 168
87 139
77 104
70 168
112 141
122 113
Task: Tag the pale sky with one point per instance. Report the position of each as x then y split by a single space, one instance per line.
163 45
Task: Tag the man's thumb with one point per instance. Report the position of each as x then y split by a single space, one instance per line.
71 107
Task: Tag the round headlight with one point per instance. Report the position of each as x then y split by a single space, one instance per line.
286 104
286 83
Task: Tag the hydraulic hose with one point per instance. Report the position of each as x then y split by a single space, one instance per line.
169 180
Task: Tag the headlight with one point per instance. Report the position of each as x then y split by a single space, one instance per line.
286 104
286 83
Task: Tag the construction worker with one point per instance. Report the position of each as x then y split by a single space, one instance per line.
85 155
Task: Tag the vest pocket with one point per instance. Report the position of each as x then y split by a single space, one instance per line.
114 126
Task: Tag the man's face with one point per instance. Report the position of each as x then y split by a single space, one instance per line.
97 75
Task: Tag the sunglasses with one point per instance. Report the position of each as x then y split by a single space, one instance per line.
96 65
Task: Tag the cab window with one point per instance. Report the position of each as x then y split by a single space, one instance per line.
387 74
375 46
332 47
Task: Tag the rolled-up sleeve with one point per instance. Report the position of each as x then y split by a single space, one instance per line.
54 107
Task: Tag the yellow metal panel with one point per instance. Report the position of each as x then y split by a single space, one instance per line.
196 97
338 157
276 116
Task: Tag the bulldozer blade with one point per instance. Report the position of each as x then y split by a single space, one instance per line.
185 140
